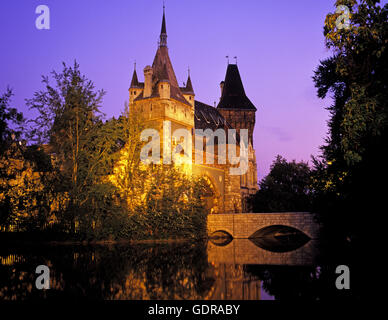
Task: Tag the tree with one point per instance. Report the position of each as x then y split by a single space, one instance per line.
129 176
70 122
285 188
26 188
10 130
347 177
173 204
25 175
11 121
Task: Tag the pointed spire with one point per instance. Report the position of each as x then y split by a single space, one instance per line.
135 81
189 86
163 32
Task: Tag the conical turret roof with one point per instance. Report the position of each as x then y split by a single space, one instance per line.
233 93
189 86
135 82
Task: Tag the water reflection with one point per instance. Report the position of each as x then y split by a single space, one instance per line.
277 238
245 251
237 270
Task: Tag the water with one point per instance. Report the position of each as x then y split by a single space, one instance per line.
236 270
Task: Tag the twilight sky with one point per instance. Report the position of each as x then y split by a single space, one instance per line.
278 45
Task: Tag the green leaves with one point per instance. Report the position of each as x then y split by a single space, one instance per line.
70 121
173 205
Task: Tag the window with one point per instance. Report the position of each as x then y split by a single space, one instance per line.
161 86
134 92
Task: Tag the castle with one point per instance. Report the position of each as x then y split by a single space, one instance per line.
160 98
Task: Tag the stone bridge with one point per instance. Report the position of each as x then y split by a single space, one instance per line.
244 225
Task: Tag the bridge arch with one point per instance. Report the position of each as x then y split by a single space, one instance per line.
277 230
221 233
246 224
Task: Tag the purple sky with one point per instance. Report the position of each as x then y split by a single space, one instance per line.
278 45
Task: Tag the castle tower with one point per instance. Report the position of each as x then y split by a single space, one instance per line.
240 113
234 105
159 98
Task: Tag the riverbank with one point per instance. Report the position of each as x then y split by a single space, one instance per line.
54 239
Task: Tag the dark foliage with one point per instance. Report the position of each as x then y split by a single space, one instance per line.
285 188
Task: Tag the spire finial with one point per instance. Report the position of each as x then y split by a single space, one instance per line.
163 32
235 58
134 65
227 59
188 70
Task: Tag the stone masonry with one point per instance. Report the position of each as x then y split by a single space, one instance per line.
243 225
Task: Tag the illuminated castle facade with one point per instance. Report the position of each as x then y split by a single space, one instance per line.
160 98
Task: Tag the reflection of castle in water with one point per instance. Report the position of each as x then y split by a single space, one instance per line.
244 251
233 282
232 265
238 270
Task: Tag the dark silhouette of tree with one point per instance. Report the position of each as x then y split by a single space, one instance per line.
10 131
349 175
10 121
285 188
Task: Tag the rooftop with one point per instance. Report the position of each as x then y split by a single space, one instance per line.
233 93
